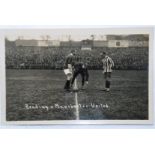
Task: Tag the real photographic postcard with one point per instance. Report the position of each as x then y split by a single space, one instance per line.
77 75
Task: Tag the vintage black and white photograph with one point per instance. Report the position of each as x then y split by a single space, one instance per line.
77 74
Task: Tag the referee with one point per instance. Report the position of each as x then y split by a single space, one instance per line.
107 70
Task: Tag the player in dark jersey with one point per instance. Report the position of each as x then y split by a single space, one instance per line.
80 68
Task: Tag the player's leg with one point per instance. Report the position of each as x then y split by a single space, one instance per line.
82 79
105 81
86 75
108 81
69 77
67 84
75 74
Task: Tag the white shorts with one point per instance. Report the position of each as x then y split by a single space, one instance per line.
67 71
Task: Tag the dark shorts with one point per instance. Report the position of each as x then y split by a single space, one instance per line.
107 75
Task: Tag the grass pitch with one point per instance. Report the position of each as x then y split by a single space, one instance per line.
39 95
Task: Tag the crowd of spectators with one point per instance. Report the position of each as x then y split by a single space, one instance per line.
22 57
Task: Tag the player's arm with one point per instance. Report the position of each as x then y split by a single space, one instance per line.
87 75
66 63
103 63
112 62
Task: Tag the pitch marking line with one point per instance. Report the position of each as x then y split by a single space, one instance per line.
76 101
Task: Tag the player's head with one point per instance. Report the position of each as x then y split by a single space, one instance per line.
103 54
73 52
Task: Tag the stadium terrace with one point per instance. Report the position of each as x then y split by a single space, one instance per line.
128 52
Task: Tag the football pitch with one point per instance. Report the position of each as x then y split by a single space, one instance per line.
39 95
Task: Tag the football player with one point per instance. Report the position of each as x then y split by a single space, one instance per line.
80 68
68 69
108 64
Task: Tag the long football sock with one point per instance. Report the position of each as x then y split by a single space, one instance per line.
67 85
107 84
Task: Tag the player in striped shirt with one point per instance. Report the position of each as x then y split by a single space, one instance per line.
108 64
